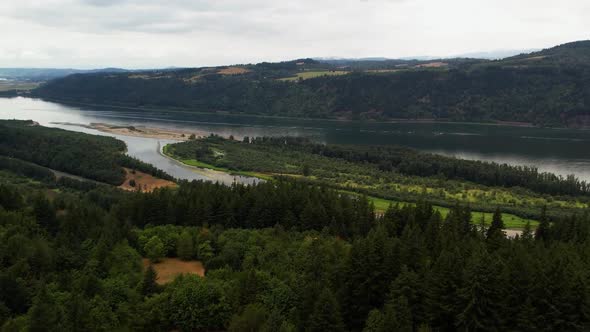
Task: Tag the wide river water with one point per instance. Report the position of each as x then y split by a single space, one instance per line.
561 151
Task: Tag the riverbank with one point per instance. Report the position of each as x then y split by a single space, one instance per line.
198 165
140 131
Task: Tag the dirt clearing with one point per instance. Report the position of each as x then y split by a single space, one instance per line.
432 65
169 268
146 183
233 71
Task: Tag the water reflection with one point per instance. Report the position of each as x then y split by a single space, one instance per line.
556 150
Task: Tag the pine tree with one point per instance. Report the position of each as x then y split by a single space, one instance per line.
497 224
482 294
527 232
148 284
409 287
326 315
542 232
442 285
397 316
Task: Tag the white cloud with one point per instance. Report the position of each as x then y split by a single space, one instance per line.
154 33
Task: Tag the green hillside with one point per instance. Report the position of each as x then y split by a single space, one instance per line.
548 88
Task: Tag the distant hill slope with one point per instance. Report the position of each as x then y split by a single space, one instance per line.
549 87
42 74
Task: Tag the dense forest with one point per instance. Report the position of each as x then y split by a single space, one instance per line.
548 88
98 158
281 256
390 172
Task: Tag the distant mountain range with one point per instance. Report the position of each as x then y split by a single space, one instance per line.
489 55
44 74
40 74
549 87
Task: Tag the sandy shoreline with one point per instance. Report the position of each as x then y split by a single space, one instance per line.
140 131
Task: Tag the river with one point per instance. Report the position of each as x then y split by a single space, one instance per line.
561 151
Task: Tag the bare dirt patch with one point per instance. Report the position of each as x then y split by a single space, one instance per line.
139 131
169 268
512 233
143 181
233 71
432 65
193 79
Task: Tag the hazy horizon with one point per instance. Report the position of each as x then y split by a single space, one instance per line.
496 54
155 34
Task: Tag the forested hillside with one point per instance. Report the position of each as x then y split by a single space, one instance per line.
549 88
98 158
278 257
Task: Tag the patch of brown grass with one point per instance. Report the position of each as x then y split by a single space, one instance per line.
169 268
144 182
192 79
147 76
540 57
432 65
233 71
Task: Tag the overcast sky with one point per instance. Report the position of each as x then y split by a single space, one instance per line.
162 33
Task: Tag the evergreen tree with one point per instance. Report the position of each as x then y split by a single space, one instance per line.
442 300
497 224
408 288
397 316
482 294
148 284
326 315
542 232
527 232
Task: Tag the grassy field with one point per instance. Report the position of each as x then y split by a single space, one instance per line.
311 74
511 221
10 85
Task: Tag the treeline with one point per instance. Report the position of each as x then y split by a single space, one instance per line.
98 158
291 204
74 263
549 88
412 162
402 160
